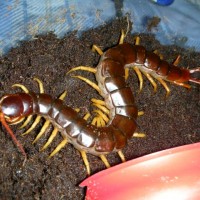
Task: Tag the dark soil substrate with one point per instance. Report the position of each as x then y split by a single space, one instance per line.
167 123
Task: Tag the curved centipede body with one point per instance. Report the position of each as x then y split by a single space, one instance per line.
97 138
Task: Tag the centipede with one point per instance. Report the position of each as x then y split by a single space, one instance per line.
116 119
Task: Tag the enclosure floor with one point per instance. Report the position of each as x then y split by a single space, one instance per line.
167 122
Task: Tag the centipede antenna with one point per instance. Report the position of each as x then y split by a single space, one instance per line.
139 75
121 40
42 131
121 155
84 68
85 160
139 135
105 118
24 88
58 148
103 108
95 86
98 101
37 120
164 84
18 144
28 119
41 87
97 49
50 140
105 161
151 81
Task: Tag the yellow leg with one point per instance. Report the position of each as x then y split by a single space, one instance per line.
58 148
151 81
86 117
94 121
17 122
177 60
46 125
101 105
22 87
84 68
95 86
97 49
139 74
137 40
28 119
164 84
98 101
98 123
39 84
102 122
126 73
63 95
105 161
37 120
77 109
85 160
42 131
139 135
103 108
158 54
182 85
123 35
140 113
121 155
101 114
50 140
25 88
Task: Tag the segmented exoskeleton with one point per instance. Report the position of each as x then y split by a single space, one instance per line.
103 135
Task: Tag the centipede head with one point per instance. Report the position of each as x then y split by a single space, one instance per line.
15 107
11 107
11 110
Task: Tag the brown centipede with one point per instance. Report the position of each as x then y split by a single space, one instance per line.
110 75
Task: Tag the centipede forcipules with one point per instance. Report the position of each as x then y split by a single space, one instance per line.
110 74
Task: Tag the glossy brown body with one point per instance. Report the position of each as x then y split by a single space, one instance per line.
82 135
136 55
113 88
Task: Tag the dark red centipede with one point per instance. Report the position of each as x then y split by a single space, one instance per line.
110 76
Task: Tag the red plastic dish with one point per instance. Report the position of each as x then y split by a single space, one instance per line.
165 175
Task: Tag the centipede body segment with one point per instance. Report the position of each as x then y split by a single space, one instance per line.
116 118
